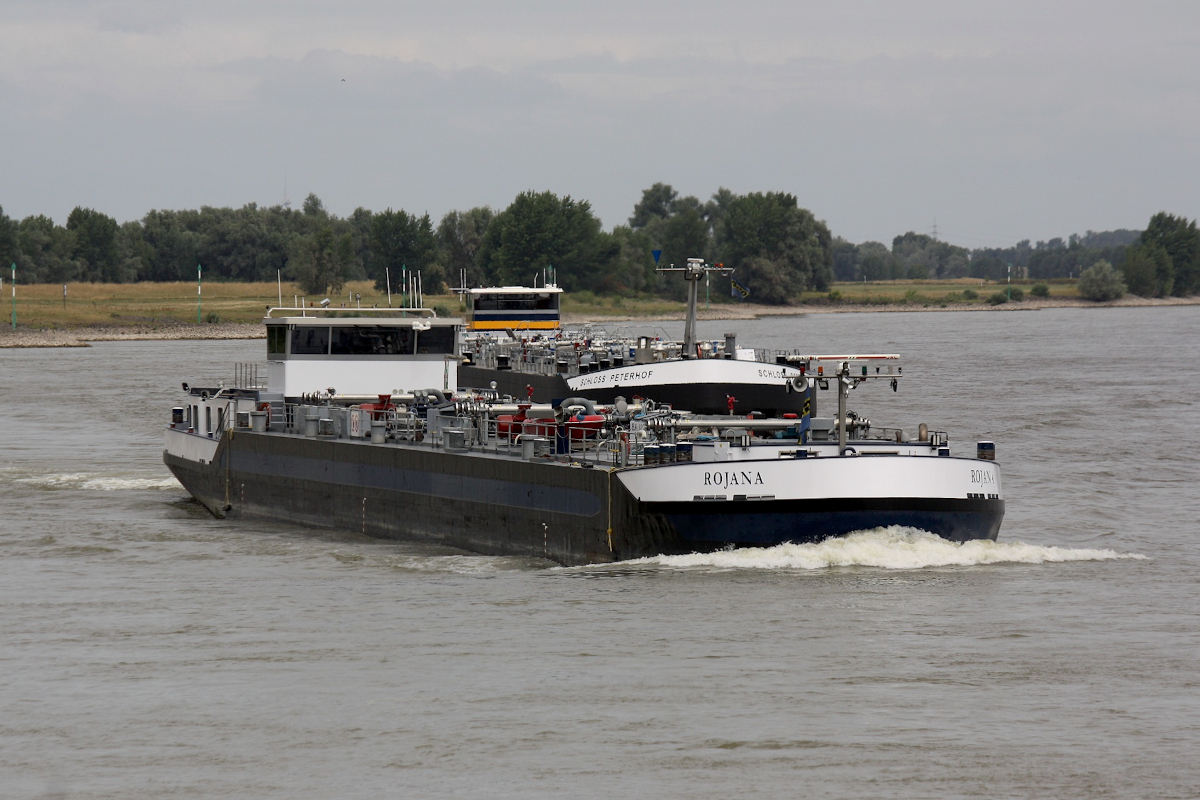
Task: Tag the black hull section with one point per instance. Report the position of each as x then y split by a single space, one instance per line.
503 506
699 398
493 506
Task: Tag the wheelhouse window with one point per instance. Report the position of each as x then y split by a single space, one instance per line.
371 340
276 340
436 340
310 340
516 302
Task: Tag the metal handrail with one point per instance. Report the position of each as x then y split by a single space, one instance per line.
318 310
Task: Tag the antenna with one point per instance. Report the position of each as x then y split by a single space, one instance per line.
692 273
933 230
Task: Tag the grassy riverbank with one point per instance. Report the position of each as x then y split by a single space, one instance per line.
97 311
142 304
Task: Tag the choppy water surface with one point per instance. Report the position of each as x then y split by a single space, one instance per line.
148 650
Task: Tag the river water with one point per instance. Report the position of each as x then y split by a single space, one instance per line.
149 650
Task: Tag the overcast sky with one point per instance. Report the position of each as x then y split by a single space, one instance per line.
999 121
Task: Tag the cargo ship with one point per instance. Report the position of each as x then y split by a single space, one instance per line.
514 339
358 423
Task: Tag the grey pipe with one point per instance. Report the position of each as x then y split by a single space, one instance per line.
722 422
588 405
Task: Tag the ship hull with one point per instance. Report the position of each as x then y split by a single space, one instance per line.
805 521
755 501
702 386
493 506
503 506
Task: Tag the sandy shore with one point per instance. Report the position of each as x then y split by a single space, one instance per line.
751 311
80 337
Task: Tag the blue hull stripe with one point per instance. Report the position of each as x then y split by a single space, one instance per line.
514 316
767 523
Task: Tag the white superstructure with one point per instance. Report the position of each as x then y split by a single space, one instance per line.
361 355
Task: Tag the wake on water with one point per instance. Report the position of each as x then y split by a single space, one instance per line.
894 547
92 481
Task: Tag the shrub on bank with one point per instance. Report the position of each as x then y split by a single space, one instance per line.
1010 293
1100 282
1039 290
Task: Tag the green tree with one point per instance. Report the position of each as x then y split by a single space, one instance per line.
359 225
45 251
401 240
657 203
769 280
1180 240
320 261
917 272
133 254
1141 269
96 245
240 244
541 229
682 236
772 228
632 271
459 237
10 251
845 259
912 251
313 207
874 262
680 227
174 250
1058 259
715 211
1101 282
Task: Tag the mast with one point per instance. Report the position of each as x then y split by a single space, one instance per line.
843 387
695 270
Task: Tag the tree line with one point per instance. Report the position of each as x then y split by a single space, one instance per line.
1162 260
776 248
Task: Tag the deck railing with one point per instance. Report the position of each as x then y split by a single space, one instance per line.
249 375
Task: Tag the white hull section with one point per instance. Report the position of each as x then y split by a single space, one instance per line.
685 373
191 446
296 377
847 477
